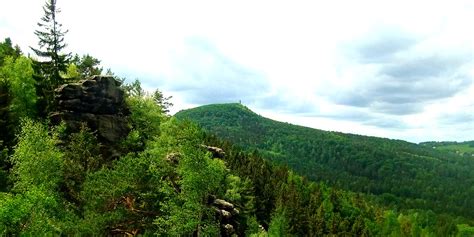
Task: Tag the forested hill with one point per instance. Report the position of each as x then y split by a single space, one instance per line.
459 148
401 174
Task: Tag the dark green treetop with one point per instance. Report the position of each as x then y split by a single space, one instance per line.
52 60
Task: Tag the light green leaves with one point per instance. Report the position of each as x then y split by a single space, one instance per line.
37 161
19 75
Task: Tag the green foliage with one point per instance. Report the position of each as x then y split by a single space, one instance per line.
19 74
279 225
4 181
200 176
164 183
37 207
52 62
29 213
133 89
465 230
145 119
7 50
122 198
82 156
6 125
162 101
407 175
86 66
17 99
36 159
66 188
72 73
82 67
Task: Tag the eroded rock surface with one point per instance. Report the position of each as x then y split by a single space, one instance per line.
216 151
97 102
227 215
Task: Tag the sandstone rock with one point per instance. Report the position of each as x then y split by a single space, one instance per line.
226 213
216 151
228 229
222 204
99 103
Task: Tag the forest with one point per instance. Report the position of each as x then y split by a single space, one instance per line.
84 152
392 173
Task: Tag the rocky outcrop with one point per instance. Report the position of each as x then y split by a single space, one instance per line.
173 158
215 151
99 103
227 215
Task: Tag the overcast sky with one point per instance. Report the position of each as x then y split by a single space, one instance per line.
397 69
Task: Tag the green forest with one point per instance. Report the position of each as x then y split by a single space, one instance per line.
86 153
394 174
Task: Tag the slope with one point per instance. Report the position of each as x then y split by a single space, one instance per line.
402 174
459 148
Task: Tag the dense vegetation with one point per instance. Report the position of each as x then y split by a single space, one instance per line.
402 174
62 184
168 174
56 182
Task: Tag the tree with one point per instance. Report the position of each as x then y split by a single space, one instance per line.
87 65
51 43
7 49
19 74
133 89
161 100
6 131
279 225
7 120
35 207
145 117
82 67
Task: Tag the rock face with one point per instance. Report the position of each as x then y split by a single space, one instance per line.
227 215
226 212
216 151
98 102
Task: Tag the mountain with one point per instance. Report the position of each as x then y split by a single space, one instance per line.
401 174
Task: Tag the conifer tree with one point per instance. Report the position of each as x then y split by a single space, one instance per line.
52 62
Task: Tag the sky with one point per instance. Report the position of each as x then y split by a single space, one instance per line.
397 69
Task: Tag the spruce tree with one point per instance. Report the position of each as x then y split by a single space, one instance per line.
52 62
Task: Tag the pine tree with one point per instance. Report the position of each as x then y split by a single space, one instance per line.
51 43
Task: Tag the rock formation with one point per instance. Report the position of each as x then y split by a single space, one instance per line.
216 151
97 102
226 213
